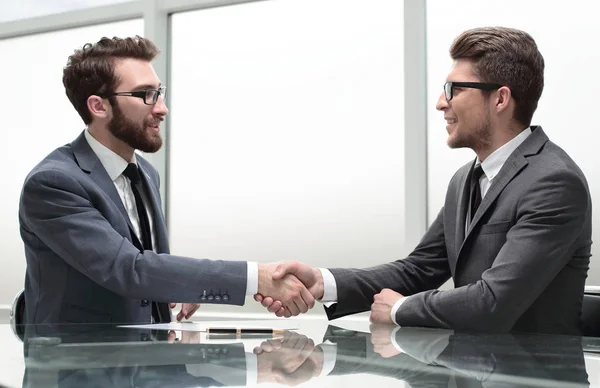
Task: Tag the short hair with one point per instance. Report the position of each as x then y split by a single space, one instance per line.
91 69
505 56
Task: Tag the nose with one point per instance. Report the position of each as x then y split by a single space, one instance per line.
442 103
160 108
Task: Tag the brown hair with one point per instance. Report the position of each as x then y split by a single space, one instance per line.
505 56
91 69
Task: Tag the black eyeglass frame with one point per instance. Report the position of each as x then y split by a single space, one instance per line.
143 94
450 85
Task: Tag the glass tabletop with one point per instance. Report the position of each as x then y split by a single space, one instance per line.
316 353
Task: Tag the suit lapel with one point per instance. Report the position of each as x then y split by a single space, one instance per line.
162 241
513 165
511 168
89 163
461 215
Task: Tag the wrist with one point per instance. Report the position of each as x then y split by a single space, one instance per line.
263 369
264 278
317 357
319 290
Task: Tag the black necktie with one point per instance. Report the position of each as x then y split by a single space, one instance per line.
160 311
475 195
134 176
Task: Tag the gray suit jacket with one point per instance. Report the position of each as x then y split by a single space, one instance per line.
103 356
442 358
521 266
85 263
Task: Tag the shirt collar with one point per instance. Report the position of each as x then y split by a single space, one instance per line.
492 164
112 162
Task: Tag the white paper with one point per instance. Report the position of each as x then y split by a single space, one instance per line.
202 326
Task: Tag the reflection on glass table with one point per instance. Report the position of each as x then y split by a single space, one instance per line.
88 355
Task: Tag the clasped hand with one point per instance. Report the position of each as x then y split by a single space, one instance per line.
288 288
290 360
304 284
291 288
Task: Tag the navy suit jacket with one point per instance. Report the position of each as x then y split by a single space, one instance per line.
85 263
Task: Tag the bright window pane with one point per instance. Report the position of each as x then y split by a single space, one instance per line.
38 117
287 132
15 10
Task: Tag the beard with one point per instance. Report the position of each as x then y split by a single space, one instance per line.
478 138
133 134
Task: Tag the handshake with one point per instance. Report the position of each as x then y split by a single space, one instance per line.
288 288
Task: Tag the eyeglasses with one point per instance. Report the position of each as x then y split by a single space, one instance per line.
449 87
150 96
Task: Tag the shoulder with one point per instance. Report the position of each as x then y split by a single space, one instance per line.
553 161
552 179
58 165
56 182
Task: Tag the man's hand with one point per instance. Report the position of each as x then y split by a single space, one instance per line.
311 277
290 361
381 309
381 339
287 289
187 310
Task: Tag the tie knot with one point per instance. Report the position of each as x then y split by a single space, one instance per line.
133 173
477 173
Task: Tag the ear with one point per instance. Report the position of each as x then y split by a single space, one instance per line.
98 107
503 99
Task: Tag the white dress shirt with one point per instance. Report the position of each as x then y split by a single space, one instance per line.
114 165
491 167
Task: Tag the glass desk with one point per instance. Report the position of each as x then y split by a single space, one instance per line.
341 353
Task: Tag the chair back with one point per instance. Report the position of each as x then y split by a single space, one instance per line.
590 314
17 315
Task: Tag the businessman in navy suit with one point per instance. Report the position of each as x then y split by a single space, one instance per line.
90 216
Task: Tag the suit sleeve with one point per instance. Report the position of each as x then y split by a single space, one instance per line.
355 355
59 211
425 268
551 214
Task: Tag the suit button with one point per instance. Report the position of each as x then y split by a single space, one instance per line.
144 337
211 298
225 298
144 303
203 298
217 298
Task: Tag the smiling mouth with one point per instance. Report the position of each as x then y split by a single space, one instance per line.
154 124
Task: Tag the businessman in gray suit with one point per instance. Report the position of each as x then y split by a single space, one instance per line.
515 230
90 215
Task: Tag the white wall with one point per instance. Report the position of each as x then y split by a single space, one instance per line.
286 135
567 35
37 118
